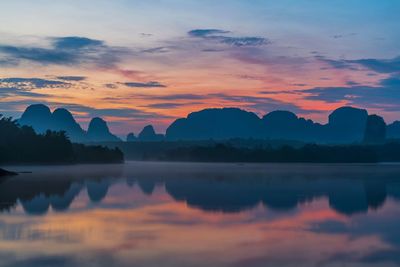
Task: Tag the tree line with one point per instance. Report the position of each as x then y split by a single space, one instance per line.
21 144
310 153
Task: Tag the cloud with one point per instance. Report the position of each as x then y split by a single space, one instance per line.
377 65
261 104
31 82
182 97
38 55
170 105
338 36
14 91
157 50
44 261
68 43
385 96
65 51
72 78
258 103
206 32
111 86
175 97
163 98
143 34
122 113
220 36
151 84
243 41
22 87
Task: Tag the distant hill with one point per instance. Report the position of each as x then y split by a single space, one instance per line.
148 134
38 116
393 130
346 125
375 131
98 131
287 126
218 124
41 119
131 137
64 121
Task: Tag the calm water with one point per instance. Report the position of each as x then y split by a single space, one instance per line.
172 214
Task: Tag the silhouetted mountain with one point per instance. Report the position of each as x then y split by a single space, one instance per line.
393 130
40 118
375 132
218 124
64 121
37 116
346 125
286 125
98 132
131 137
149 135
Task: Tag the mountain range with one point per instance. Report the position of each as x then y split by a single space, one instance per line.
41 119
345 125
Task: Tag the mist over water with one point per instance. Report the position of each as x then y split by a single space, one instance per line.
198 214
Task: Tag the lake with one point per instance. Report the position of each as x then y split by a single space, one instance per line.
187 214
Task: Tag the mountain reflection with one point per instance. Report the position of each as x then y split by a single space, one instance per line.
350 189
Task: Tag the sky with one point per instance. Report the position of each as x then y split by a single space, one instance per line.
135 62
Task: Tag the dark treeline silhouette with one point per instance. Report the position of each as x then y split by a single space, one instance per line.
243 150
307 153
97 154
21 144
5 173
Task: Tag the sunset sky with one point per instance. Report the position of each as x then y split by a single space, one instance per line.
135 62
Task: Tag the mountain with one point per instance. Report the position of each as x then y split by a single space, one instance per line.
346 125
216 124
98 131
393 130
149 135
375 131
131 137
38 116
286 125
64 121
41 119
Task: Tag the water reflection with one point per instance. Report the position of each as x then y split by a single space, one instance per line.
354 192
200 214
